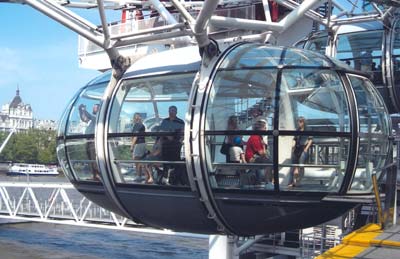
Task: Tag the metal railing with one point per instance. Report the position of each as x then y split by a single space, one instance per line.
60 203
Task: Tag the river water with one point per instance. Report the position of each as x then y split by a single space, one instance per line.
43 240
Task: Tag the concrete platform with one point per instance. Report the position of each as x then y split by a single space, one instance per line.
368 242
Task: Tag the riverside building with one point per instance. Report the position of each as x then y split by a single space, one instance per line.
16 114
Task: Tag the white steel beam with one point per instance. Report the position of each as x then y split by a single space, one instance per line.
185 14
104 25
64 19
246 24
310 13
200 27
266 11
163 12
299 12
35 202
69 203
71 14
6 199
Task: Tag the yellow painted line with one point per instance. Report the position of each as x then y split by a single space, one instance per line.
342 252
385 243
363 236
358 241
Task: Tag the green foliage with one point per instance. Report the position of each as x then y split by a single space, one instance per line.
32 146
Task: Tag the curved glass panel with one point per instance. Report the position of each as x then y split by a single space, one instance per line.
145 131
81 126
312 101
82 119
239 141
374 134
362 51
317 44
65 115
396 62
239 101
310 163
315 94
62 159
256 56
102 79
82 159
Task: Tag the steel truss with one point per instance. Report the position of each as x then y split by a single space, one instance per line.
192 30
60 203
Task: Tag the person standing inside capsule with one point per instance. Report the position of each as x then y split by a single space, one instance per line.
232 125
138 145
171 144
90 119
301 145
256 151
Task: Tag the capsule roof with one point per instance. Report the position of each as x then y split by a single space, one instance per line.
173 61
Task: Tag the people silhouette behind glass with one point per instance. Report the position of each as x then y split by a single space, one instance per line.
257 152
138 146
171 144
90 120
236 151
232 124
366 61
154 155
301 145
92 117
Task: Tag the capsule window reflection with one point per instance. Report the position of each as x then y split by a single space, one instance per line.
371 47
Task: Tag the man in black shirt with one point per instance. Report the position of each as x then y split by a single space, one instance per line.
171 145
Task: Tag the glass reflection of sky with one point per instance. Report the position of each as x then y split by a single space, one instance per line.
151 98
254 56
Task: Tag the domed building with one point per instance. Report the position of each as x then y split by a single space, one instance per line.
16 114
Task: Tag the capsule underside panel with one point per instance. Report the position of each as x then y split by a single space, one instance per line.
177 210
97 194
252 217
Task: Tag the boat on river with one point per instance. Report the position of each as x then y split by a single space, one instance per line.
31 169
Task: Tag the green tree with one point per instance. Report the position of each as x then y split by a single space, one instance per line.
32 146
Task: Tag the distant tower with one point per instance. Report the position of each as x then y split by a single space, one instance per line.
16 114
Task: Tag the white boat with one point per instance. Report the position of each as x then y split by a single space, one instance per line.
31 169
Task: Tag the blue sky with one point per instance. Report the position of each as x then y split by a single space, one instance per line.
40 56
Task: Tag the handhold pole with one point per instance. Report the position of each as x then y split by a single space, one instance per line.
378 200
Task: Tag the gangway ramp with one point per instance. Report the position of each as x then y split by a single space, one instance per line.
368 242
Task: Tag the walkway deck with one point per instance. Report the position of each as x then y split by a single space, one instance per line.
368 242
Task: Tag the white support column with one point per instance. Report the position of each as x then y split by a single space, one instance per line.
221 247
52 202
6 198
85 212
35 202
266 11
66 199
163 12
